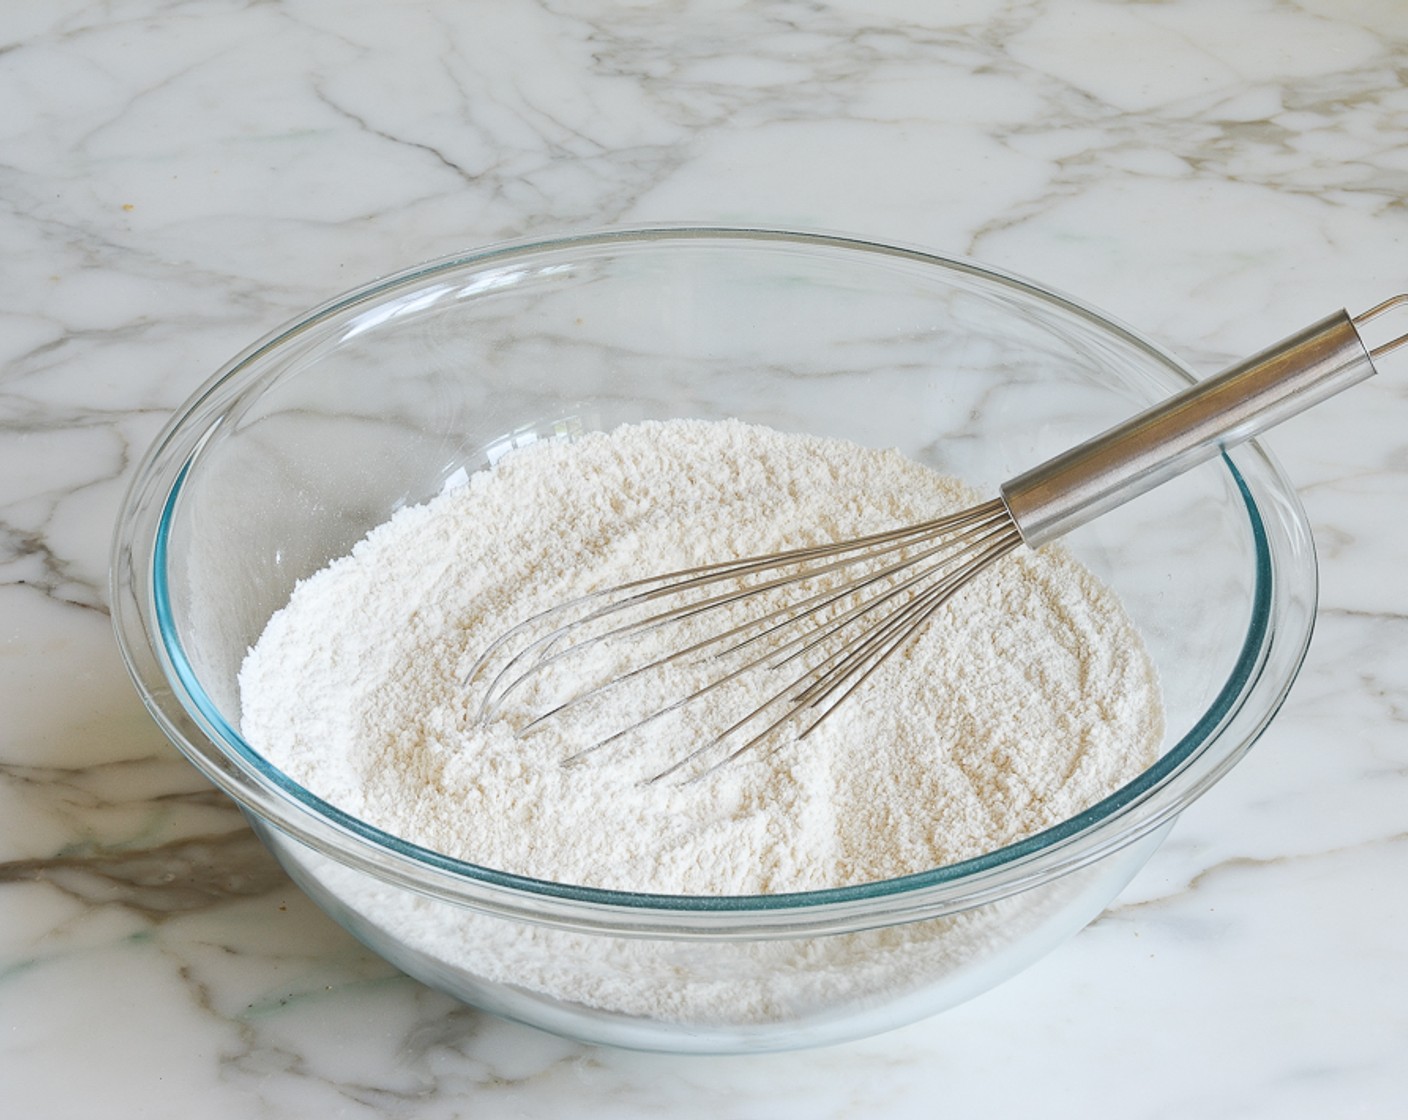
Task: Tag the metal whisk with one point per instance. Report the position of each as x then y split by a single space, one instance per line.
834 613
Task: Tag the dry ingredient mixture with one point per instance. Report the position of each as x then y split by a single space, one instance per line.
1028 698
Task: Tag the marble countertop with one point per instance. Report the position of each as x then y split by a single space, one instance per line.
177 178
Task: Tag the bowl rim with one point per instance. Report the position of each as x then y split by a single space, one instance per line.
1272 651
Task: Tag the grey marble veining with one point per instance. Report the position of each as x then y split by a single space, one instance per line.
177 179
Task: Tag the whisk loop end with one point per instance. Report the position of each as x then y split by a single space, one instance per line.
823 617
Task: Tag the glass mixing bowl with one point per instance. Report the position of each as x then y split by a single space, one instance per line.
394 392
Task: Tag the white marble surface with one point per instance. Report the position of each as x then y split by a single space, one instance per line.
176 178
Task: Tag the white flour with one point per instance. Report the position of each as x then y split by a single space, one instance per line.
1026 699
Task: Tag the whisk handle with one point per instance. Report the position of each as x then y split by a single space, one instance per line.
1163 441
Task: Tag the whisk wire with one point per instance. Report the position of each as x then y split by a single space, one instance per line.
539 654
908 573
855 663
900 626
970 547
804 643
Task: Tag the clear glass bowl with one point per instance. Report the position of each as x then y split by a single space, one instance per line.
388 395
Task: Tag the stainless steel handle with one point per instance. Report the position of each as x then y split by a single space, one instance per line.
1080 484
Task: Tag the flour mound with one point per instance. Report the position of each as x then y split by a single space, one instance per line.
1026 699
